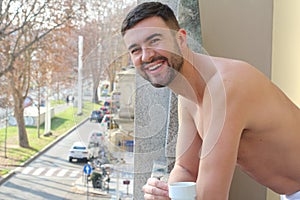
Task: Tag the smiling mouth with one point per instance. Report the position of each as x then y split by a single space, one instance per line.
155 67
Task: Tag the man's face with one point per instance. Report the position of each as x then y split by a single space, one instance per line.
154 51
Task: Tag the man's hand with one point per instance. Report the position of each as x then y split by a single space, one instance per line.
156 189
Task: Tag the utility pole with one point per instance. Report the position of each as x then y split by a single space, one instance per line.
80 49
48 114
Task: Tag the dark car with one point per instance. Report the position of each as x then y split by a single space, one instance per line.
96 116
105 109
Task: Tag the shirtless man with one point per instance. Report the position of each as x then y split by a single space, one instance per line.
229 113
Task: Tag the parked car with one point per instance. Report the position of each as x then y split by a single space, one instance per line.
96 137
95 143
111 105
78 151
109 121
105 109
96 115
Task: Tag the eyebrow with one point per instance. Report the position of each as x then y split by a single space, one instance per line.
146 40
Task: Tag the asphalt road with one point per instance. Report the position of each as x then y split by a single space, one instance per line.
50 175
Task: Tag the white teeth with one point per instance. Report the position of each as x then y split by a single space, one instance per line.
154 67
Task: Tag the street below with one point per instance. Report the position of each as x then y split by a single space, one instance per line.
51 175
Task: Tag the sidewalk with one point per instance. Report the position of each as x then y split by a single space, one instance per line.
121 172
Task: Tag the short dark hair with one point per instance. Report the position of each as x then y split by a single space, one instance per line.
150 9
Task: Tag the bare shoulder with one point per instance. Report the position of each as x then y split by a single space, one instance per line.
255 94
236 73
242 80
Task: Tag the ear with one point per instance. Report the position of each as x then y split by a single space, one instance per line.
181 37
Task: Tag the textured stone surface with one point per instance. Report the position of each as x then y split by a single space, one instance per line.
151 117
171 136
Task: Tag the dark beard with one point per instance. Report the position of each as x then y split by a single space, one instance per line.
174 68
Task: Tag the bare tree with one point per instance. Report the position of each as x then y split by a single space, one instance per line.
91 61
102 44
23 24
18 17
55 54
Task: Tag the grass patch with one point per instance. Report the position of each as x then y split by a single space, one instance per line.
60 124
3 172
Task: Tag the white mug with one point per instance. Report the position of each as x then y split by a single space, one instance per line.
182 191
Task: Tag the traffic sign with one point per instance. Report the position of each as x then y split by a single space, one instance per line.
87 169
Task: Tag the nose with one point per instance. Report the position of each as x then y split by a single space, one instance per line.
147 54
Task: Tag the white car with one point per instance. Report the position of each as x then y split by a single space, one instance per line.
78 151
96 137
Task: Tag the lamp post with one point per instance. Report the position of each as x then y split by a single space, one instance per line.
48 107
79 98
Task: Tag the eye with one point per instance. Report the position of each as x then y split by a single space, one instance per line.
135 51
154 41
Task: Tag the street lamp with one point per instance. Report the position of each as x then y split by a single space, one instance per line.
80 49
48 107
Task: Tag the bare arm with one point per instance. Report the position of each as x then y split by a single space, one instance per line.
223 123
187 154
188 144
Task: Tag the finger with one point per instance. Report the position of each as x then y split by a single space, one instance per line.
157 183
155 191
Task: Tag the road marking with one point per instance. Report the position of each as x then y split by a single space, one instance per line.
38 171
51 171
48 172
27 170
74 173
62 172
